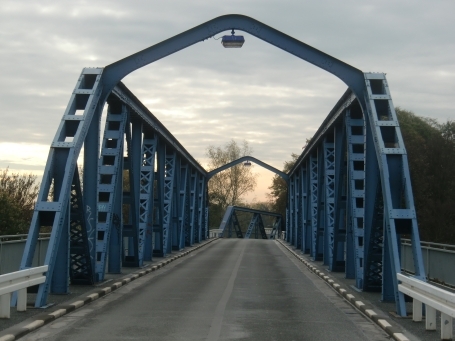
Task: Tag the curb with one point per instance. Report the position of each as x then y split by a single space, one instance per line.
14 333
367 310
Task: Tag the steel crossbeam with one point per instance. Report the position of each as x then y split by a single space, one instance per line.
230 222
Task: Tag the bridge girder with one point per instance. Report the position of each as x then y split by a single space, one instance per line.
377 211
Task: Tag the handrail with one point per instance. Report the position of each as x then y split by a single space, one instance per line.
439 246
19 237
19 281
434 299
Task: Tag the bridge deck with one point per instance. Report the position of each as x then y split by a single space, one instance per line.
231 289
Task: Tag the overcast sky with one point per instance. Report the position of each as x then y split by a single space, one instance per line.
206 95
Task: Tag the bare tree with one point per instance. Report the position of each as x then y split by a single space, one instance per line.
229 186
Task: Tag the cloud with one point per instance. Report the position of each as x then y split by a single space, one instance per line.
206 94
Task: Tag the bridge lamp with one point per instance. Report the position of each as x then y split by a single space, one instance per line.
232 41
247 163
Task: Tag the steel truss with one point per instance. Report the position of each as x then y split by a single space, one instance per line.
349 190
360 192
110 223
230 222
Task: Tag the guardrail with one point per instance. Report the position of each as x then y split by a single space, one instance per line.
215 233
434 299
18 281
12 249
439 260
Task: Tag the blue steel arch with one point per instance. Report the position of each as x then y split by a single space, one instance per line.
115 72
247 158
182 181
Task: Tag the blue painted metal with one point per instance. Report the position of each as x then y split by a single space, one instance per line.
337 262
183 207
81 271
109 193
146 197
306 208
276 229
388 206
256 224
200 233
329 196
169 177
291 200
115 72
130 233
247 158
158 230
355 134
52 208
193 208
252 225
399 210
296 203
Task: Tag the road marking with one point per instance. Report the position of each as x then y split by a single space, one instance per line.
217 321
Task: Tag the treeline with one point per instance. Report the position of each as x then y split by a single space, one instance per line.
431 155
18 193
430 148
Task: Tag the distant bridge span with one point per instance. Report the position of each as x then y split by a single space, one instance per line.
350 188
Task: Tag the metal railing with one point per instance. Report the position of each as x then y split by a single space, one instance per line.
19 281
435 299
12 248
439 261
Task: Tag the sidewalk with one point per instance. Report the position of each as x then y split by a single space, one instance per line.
414 331
82 294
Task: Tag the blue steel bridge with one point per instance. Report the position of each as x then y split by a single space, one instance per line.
349 193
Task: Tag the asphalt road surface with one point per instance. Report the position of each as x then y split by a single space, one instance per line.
233 289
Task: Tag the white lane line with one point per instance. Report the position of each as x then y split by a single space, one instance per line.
217 321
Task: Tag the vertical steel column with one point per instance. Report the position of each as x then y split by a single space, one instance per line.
399 211
176 206
314 182
196 208
329 207
158 230
355 134
131 232
193 207
51 209
201 206
306 223
205 232
297 213
291 195
253 223
146 197
339 233
169 178
108 190
60 280
81 271
183 205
